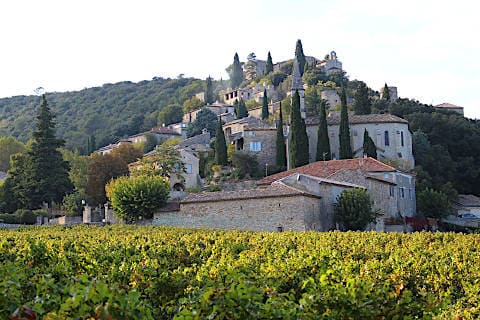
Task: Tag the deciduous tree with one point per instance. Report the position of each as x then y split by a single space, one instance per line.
205 119
353 210
172 113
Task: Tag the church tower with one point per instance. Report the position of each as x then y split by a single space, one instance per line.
297 84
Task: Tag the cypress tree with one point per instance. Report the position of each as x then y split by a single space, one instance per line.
298 136
386 93
93 144
362 104
242 110
220 145
237 72
265 112
235 107
369 147
344 136
300 56
49 171
268 65
281 155
209 97
323 141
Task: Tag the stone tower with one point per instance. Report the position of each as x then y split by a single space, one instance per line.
298 85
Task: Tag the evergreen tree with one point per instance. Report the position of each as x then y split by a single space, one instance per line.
344 136
220 145
369 147
237 72
362 104
209 96
268 65
386 93
265 112
235 107
323 141
48 169
242 110
298 136
93 144
300 56
281 152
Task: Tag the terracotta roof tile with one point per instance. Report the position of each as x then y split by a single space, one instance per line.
324 169
334 118
448 106
270 192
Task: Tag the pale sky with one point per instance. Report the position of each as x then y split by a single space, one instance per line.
430 50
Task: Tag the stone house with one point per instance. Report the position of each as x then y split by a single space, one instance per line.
389 133
392 191
217 108
467 203
161 134
331 64
393 92
254 136
278 207
332 97
449 107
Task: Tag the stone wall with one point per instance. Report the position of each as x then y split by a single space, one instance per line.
297 213
268 139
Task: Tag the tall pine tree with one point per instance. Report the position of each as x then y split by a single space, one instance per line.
323 141
386 93
268 65
369 147
362 104
48 169
281 154
220 145
298 135
300 56
344 136
237 72
242 111
265 112
209 96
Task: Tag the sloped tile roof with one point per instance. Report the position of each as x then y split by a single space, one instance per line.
448 106
203 138
334 118
277 190
324 169
468 200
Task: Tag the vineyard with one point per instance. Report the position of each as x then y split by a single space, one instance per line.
124 272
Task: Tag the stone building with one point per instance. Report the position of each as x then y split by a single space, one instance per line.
217 108
392 91
392 191
331 64
279 207
161 134
449 107
332 97
389 133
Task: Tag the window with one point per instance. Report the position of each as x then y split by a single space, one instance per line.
255 146
392 191
188 168
355 133
251 134
410 193
401 192
387 138
401 139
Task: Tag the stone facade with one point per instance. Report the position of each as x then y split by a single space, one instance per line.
332 97
331 64
256 210
392 91
217 108
191 176
261 142
450 107
389 133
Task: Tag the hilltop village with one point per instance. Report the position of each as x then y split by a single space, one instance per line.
274 149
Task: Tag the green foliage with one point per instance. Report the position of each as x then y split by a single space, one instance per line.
132 272
268 64
369 147
72 204
432 204
192 104
353 210
313 75
209 95
300 56
281 152
242 110
344 135
362 104
220 146
172 113
205 119
265 113
323 140
149 144
252 103
236 77
8 147
18 186
9 218
78 168
245 164
109 112
298 135
164 162
135 198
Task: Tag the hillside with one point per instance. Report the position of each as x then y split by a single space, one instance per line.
108 112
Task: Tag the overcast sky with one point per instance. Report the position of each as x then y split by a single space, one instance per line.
430 50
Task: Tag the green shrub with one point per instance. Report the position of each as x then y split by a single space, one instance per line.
72 204
353 210
26 216
245 164
9 218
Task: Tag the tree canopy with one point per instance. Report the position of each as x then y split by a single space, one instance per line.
172 113
236 76
300 56
353 210
205 119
